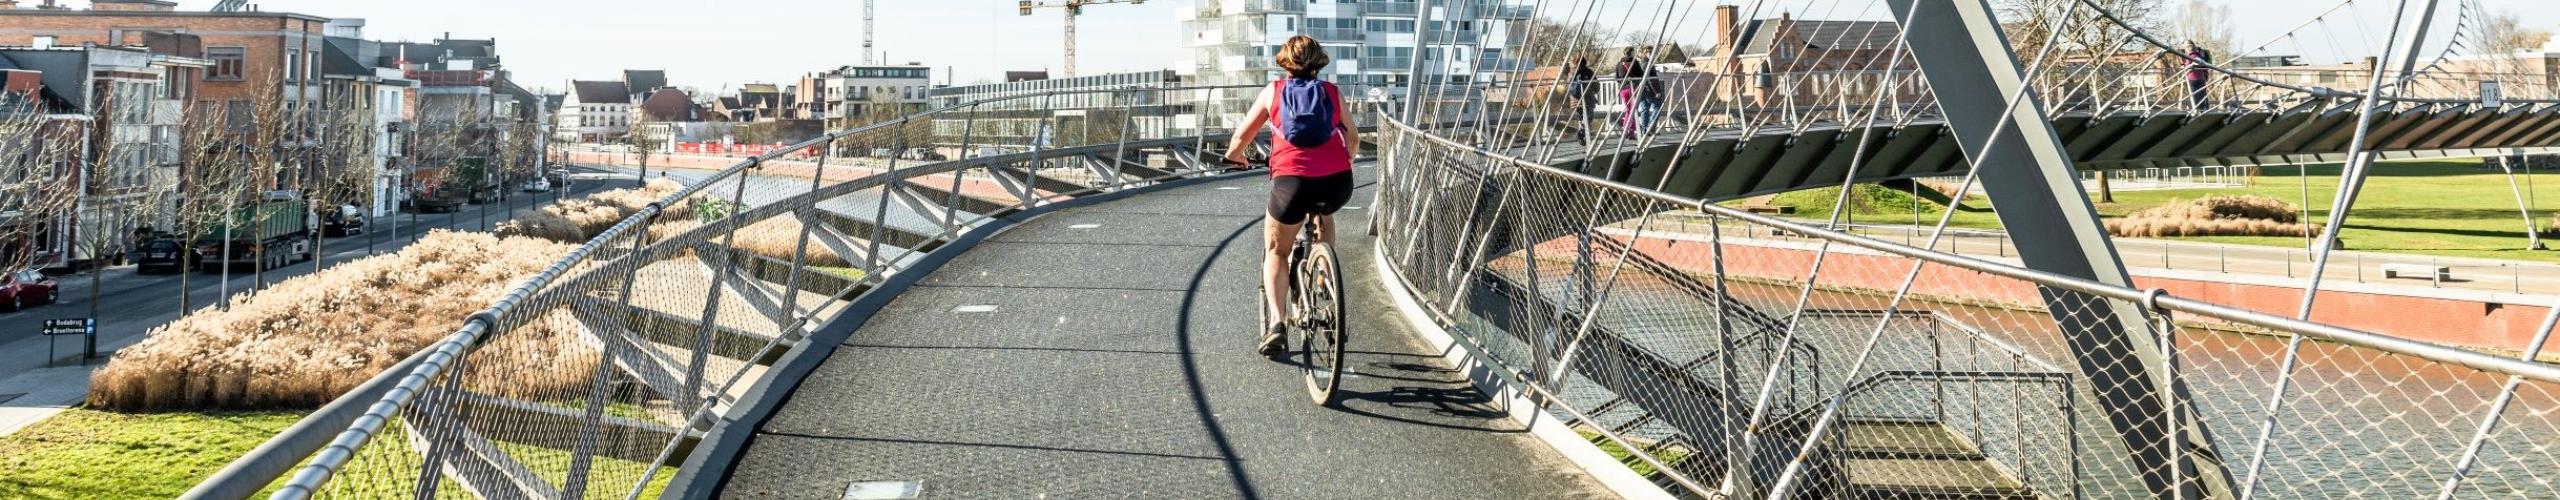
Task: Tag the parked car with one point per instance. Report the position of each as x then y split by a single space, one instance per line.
25 287
163 255
537 185
347 220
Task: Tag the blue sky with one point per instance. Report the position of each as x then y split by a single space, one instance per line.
708 43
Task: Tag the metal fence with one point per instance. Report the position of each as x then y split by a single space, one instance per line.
606 372
1735 368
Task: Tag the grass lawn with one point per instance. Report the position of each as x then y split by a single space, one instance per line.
85 454
2448 207
92 454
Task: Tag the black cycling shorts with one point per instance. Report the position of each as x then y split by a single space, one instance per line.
1294 198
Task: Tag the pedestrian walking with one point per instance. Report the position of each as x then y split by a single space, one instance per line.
1578 93
1628 70
2197 59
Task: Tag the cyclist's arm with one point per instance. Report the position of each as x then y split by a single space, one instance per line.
1254 120
1350 132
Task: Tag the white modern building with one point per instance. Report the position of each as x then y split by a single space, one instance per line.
1064 111
1372 41
846 94
594 112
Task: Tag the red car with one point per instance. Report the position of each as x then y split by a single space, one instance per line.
26 286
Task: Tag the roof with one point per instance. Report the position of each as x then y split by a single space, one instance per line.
1820 35
669 105
1017 76
162 14
347 56
600 92
759 88
643 81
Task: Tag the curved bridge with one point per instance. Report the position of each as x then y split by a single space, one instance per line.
1734 163
1533 319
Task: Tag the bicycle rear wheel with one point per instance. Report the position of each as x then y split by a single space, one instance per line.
1322 334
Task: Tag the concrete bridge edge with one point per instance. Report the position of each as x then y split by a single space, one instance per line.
1544 428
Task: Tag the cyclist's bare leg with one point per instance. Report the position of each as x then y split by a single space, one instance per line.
1324 227
1277 239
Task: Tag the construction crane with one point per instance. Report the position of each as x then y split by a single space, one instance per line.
866 33
1073 8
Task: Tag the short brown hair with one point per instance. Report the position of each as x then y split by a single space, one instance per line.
1303 57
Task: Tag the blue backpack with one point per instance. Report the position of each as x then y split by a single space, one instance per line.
1306 113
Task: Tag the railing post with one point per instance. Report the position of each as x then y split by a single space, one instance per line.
444 414
582 459
880 216
710 327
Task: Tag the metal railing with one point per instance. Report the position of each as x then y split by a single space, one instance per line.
604 372
1509 255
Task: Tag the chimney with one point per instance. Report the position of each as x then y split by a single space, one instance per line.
1725 26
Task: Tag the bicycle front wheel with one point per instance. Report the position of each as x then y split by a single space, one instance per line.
1322 337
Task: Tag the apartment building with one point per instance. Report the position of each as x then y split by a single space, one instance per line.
846 95
1373 42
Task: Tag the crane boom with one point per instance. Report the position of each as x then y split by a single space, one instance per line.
866 33
1073 8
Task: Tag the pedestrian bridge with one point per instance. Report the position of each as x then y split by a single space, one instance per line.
1532 316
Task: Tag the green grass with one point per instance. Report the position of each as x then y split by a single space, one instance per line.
847 272
2450 208
85 454
1669 455
1869 199
90 454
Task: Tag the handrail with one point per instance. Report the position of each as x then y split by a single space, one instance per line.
2167 302
393 389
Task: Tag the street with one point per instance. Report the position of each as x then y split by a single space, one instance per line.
130 304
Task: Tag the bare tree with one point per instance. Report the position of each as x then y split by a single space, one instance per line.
40 156
1552 43
2503 33
2205 24
645 141
121 190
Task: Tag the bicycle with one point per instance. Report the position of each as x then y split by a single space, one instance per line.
1315 326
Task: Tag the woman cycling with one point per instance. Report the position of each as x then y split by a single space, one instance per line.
1312 144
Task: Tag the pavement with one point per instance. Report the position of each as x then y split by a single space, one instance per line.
1105 351
129 304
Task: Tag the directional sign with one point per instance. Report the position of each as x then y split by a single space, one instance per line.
74 326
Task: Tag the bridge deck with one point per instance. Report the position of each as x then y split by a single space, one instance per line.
1117 364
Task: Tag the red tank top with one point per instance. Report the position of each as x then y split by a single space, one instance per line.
1289 160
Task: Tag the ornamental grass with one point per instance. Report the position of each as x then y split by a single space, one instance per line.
2237 215
304 341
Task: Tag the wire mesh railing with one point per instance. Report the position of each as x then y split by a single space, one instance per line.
601 375
1731 363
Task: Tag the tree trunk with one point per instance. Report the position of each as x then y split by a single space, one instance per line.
2106 192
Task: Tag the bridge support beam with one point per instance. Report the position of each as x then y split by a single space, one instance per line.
2029 176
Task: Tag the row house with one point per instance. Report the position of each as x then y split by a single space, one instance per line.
257 58
112 117
363 81
595 111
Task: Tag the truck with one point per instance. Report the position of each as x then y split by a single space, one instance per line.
268 233
447 189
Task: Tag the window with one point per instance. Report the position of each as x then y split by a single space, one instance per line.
227 62
45 41
292 65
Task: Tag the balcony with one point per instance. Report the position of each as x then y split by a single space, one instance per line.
1353 35
1265 6
1375 8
